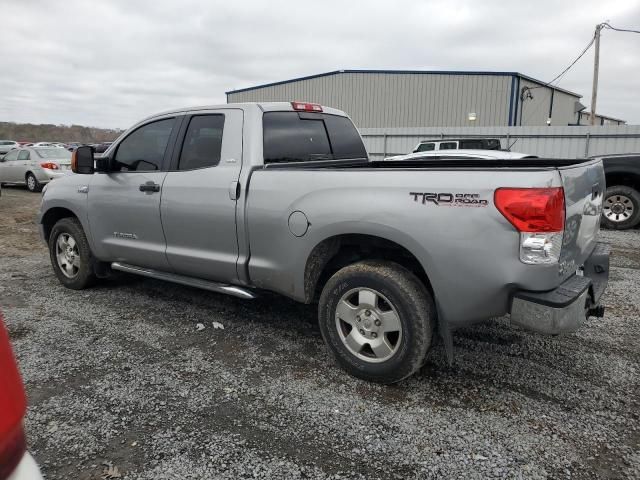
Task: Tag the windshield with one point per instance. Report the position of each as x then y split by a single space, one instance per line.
301 137
58 153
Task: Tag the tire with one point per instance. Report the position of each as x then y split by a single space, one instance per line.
402 319
75 254
621 208
33 185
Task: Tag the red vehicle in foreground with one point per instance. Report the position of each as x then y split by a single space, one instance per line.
15 461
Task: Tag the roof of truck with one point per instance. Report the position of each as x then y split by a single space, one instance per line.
264 106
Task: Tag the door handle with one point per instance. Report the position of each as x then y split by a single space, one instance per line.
234 190
149 187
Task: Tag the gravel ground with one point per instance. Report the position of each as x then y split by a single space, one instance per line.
119 376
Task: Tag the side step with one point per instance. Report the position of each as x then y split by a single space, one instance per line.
183 280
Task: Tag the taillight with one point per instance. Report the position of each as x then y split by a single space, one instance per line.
49 165
13 405
538 214
306 107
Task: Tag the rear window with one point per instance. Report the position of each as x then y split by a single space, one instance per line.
53 153
448 146
302 137
472 144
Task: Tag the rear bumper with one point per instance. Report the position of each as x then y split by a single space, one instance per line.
46 175
565 308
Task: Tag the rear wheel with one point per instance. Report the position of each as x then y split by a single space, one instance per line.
621 207
32 183
71 257
377 320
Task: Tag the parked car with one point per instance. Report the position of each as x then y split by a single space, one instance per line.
71 146
35 166
461 154
101 147
7 146
621 208
15 461
240 198
458 144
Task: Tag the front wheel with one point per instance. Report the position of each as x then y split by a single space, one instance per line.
621 207
71 257
377 319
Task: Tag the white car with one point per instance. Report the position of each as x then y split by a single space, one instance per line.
34 166
461 154
45 144
7 146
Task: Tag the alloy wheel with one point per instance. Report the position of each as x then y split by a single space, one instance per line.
368 325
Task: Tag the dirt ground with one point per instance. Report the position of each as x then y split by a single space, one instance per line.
122 384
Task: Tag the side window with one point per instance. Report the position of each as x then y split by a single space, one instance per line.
426 147
12 155
472 144
23 155
202 143
448 145
143 149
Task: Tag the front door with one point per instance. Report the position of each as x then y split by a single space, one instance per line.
199 196
124 204
9 168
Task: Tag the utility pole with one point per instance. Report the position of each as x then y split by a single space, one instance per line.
596 66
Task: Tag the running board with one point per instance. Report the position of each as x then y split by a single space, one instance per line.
183 280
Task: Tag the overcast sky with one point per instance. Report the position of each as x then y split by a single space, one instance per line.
110 63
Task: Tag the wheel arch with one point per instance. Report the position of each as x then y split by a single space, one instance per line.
338 251
626 177
52 216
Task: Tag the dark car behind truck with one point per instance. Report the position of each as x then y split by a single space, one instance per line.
621 206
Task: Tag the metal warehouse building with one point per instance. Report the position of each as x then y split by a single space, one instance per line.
391 99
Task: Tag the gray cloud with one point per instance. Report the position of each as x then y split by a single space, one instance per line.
111 63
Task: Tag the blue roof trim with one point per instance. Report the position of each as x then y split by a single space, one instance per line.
515 114
513 86
400 72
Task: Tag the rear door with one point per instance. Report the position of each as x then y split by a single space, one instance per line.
124 204
200 193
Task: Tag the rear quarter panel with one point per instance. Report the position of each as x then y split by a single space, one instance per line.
470 253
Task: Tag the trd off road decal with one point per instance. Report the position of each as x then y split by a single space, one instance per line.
445 199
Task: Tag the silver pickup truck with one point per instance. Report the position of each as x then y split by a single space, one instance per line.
241 198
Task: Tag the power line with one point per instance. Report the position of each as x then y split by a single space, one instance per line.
607 25
593 39
561 74
557 77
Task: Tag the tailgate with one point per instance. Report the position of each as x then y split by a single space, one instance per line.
584 186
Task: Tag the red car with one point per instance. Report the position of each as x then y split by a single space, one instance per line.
15 461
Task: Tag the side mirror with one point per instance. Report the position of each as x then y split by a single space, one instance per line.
103 164
82 161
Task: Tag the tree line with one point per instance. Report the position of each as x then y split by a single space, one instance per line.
29 132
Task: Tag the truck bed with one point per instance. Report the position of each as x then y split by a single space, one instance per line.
460 248
434 164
